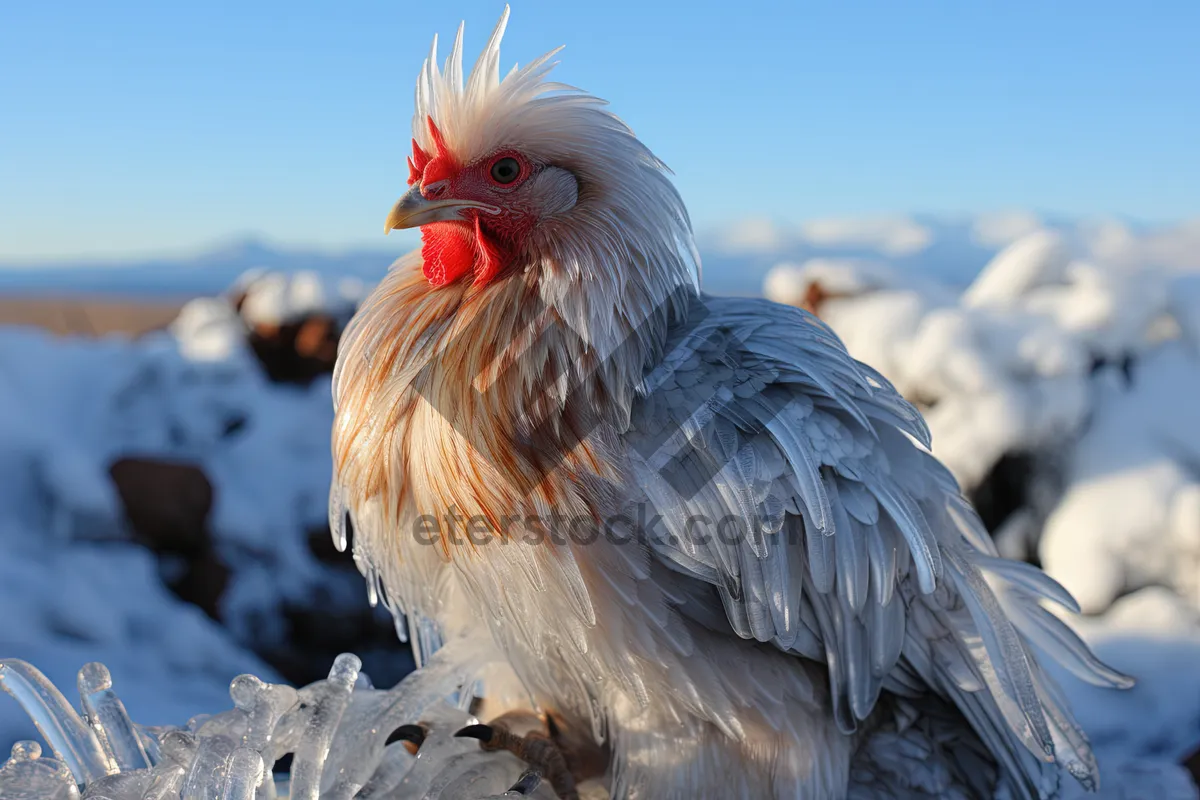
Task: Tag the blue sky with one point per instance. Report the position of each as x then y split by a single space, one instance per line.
152 127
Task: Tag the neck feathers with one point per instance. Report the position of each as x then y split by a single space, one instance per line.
504 384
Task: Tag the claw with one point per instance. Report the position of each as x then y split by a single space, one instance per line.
530 779
483 733
413 737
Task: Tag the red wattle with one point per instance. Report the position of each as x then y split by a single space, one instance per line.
451 249
490 256
448 252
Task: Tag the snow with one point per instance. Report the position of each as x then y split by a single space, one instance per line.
276 298
1077 345
1078 349
171 660
1130 514
72 587
1153 636
1175 248
1037 259
209 329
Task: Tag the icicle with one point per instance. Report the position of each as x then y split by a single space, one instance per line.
207 773
243 772
264 704
28 776
326 714
396 763
413 634
165 783
109 720
72 741
337 518
337 728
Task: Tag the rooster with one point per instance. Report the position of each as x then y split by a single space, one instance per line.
707 553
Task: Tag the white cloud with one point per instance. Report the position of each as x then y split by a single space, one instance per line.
1175 247
1004 227
894 236
752 235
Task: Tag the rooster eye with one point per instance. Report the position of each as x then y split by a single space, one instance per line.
506 170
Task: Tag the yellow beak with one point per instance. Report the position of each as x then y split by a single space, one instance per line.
414 210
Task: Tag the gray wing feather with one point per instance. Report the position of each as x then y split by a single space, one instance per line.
851 544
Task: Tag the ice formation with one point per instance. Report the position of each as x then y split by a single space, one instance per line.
342 734
339 732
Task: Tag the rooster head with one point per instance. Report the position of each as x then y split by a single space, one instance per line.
521 173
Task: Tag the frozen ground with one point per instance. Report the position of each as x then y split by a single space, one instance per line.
72 588
1077 346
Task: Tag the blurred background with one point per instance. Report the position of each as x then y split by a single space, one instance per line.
995 205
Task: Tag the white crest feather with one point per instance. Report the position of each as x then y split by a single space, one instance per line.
629 220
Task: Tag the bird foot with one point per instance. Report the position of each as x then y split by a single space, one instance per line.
541 748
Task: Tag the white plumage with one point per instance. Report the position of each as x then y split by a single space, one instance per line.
781 593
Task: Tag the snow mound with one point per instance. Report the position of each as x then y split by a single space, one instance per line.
70 408
1087 367
209 329
1063 381
1130 514
1037 259
277 298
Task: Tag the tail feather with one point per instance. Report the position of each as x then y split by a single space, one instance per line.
991 610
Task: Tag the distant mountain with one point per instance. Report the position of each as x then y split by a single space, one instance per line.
208 272
952 251
736 256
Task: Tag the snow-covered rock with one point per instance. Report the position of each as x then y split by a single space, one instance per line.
69 408
1130 514
276 298
1076 358
1038 259
1091 367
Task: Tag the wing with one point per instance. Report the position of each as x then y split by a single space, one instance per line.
800 484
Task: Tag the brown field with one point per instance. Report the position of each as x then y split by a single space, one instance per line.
89 316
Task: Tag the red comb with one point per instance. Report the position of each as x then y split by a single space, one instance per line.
443 164
417 163
438 140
